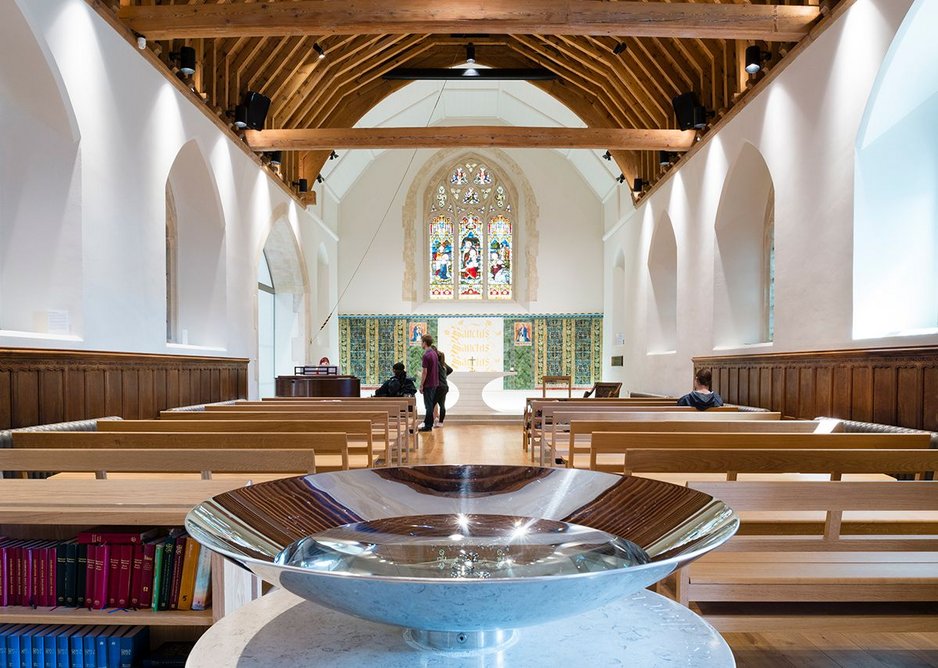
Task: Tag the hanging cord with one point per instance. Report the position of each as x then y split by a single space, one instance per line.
374 236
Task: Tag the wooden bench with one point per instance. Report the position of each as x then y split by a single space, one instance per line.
783 582
203 461
562 423
359 431
331 449
613 445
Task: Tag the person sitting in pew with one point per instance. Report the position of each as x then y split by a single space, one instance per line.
398 385
702 397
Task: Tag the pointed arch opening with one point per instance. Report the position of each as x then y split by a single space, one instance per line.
196 291
895 235
662 295
618 299
40 188
744 271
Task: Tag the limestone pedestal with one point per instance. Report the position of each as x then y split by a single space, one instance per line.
644 630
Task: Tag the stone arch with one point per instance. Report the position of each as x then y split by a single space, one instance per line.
895 233
744 253
526 236
40 187
199 272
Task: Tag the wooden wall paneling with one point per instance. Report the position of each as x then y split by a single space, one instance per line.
205 386
159 390
185 388
74 394
862 398
146 394
742 388
113 392
842 391
807 390
930 395
909 397
25 398
95 393
733 388
823 391
884 394
130 387
172 388
6 398
896 386
195 387
215 376
51 396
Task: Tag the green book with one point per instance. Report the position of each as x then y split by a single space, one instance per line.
166 580
157 575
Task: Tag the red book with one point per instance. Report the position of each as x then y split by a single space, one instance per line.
51 569
101 571
32 576
113 570
42 579
125 557
124 535
5 573
146 574
178 559
19 574
90 575
136 576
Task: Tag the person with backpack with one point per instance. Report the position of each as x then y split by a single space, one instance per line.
398 385
439 408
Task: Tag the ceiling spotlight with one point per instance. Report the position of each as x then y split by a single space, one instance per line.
275 157
141 41
470 54
619 48
241 117
754 59
186 58
302 185
319 178
607 156
333 155
665 158
638 185
621 178
318 49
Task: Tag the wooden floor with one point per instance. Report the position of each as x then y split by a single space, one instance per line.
501 444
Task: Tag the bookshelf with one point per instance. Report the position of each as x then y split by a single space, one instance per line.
59 508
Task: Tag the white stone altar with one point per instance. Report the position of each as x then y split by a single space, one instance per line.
643 630
469 386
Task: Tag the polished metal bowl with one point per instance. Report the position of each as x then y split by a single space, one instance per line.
462 555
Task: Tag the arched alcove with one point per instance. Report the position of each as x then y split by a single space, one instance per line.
283 293
662 283
744 289
618 299
895 240
40 188
198 269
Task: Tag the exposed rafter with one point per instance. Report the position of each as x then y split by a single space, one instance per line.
508 17
470 136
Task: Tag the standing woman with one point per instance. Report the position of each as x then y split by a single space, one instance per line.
439 408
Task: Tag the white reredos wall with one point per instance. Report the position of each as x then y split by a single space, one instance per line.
805 127
107 239
567 189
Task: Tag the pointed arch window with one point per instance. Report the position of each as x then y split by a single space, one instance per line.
471 244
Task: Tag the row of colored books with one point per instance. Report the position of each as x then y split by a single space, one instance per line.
69 646
114 568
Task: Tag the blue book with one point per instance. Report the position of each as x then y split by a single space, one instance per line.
62 650
26 647
13 646
100 645
114 646
39 646
76 649
5 630
133 643
89 642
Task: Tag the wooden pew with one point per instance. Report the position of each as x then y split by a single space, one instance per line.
605 444
580 431
359 430
203 461
806 577
328 447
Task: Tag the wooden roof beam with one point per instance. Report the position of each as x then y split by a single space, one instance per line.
476 136
784 23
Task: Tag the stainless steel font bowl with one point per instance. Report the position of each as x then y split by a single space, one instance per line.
459 553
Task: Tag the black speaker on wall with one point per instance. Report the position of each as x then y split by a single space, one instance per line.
256 107
685 106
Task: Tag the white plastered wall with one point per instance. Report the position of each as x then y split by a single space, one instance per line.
805 127
132 123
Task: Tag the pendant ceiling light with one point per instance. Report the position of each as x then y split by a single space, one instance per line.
470 72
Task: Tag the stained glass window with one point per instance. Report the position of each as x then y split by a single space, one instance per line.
441 258
470 235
